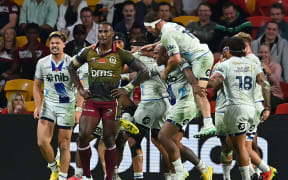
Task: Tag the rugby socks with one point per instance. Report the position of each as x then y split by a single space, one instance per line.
78 172
138 175
178 166
168 176
110 160
53 166
62 176
226 171
202 167
244 171
207 122
85 155
263 166
251 169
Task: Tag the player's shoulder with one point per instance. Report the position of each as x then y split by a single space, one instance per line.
45 59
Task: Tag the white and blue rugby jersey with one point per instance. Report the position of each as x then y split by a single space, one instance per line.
258 90
153 88
239 80
177 40
221 99
58 86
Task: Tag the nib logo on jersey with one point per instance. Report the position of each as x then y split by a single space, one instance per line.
61 77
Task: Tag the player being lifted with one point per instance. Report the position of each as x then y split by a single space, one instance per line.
180 44
105 63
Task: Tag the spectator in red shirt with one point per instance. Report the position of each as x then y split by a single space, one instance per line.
9 12
29 54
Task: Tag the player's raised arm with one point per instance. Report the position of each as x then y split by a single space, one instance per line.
261 80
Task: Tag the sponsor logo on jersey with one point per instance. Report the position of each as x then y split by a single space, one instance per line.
171 79
57 77
102 73
146 120
170 47
112 60
102 60
207 72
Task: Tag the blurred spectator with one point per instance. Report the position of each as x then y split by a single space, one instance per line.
217 5
69 15
129 20
278 46
91 26
186 7
9 12
79 42
41 12
275 77
232 24
136 31
204 28
100 14
114 9
29 54
277 13
143 7
16 105
164 10
120 40
137 42
8 61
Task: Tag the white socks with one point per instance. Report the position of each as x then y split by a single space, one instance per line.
207 122
168 176
202 167
53 166
62 176
244 171
138 175
226 171
78 172
178 166
263 166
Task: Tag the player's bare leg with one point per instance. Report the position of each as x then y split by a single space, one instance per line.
204 106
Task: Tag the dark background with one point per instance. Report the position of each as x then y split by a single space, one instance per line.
20 157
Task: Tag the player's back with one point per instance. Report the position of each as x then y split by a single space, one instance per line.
177 39
239 80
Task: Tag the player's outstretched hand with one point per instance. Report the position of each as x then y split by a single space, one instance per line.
148 47
264 115
118 92
84 93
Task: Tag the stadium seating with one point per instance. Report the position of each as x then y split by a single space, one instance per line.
30 105
22 86
19 2
284 88
257 22
21 41
59 2
167 1
185 20
251 6
286 19
282 109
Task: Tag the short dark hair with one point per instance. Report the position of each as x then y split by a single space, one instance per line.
272 22
126 3
86 9
278 6
32 26
223 43
107 23
151 16
79 29
227 5
163 4
237 47
205 4
57 34
139 41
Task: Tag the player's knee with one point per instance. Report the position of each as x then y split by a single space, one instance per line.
83 137
42 142
109 141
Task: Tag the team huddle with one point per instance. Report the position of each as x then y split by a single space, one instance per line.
173 75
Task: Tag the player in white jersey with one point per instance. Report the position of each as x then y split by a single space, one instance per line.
179 43
252 129
183 110
58 104
239 77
